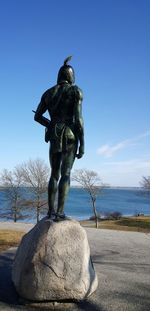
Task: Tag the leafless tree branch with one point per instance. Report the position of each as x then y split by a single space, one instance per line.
91 182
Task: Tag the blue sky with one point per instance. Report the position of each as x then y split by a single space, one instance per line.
110 44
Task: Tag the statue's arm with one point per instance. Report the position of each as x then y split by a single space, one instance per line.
41 109
79 126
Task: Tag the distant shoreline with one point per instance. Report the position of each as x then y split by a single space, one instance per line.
114 187
107 187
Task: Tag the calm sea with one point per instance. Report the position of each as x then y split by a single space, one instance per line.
128 201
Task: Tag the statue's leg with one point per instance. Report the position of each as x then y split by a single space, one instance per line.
64 183
55 162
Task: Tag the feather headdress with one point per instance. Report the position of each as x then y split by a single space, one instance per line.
67 60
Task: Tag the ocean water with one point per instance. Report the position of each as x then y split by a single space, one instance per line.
127 201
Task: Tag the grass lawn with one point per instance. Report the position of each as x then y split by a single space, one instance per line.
9 238
139 224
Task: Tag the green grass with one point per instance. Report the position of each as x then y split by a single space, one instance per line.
135 222
139 224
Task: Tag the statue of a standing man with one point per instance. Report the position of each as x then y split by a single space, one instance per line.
65 132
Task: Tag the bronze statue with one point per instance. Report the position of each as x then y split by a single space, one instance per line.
65 132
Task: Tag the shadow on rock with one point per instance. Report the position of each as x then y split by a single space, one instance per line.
9 296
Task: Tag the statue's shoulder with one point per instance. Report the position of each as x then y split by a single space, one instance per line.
77 92
50 92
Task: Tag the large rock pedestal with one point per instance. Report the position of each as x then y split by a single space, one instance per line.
53 263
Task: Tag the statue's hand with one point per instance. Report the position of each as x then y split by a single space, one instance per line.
81 153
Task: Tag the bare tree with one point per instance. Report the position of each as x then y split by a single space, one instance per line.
90 182
145 183
35 175
11 182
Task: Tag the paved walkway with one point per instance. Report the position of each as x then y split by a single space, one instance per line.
121 260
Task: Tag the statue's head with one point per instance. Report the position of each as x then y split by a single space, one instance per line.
66 72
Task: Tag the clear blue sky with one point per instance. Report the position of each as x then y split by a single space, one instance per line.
110 44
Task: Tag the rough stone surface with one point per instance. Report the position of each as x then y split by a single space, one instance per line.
53 263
